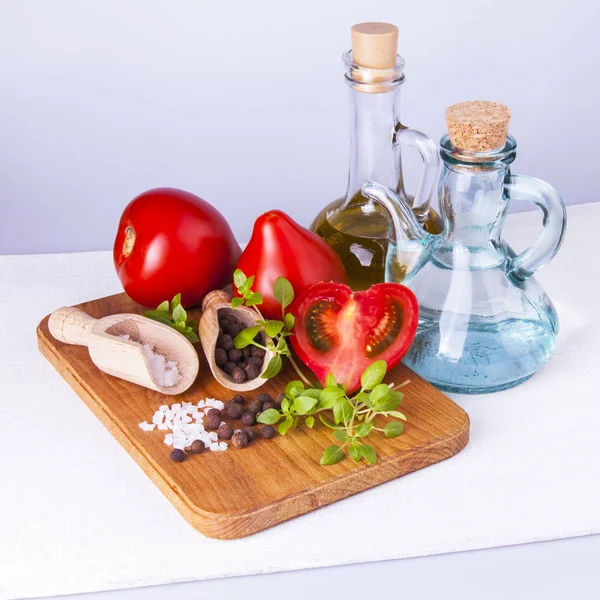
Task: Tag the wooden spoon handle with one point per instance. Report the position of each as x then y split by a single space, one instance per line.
71 325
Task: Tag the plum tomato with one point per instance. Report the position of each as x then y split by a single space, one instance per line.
170 241
342 332
280 247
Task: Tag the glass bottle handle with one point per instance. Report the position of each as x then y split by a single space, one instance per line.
554 224
429 154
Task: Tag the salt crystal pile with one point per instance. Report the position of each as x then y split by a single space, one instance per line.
164 372
185 422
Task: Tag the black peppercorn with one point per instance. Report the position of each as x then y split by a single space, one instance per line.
238 375
257 352
225 431
255 407
268 405
197 447
214 411
211 422
246 352
252 371
248 418
279 398
239 439
178 455
220 357
234 329
235 354
238 399
255 360
229 367
250 433
234 411
267 431
263 397
225 342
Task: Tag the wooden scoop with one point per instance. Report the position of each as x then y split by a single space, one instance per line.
126 358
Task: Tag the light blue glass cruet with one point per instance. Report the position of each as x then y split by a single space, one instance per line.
485 324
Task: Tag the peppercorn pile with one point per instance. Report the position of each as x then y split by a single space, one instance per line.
241 365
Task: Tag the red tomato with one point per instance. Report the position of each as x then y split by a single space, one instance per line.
279 247
170 241
342 332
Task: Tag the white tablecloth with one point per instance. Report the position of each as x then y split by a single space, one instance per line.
77 514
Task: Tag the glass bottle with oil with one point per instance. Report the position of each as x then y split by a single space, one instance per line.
355 226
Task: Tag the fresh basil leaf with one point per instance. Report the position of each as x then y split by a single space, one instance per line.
340 435
180 326
283 291
179 314
393 429
364 398
247 285
363 430
354 450
289 321
398 396
329 396
269 417
273 327
246 336
330 381
303 404
379 393
191 336
398 415
175 302
254 299
273 367
163 306
342 410
387 405
328 423
285 405
368 453
312 393
293 389
235 302
285 425
309 422
282 347
238 278
160 316
373 374
332 455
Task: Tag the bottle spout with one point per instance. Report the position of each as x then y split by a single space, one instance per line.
406 237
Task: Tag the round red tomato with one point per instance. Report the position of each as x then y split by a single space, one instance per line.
170 241
279 247
342 332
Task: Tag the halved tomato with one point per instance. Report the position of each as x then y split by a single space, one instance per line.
342 332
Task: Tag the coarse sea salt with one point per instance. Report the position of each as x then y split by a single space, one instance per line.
184 421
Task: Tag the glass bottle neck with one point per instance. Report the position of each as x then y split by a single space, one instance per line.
373 154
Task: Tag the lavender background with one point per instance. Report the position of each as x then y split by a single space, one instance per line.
244 103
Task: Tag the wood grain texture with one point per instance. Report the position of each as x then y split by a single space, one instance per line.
236 493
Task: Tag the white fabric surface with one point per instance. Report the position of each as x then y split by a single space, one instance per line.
77 514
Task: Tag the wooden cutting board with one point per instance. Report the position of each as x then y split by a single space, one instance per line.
239 492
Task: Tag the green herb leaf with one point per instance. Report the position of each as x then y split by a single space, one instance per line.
235 302
363 430
387 405
246 337
289 321
329 396
254 299
397 414
293 389
354 450
373 374
309 422
159 316
330 381
273 367
282 347
393 429
175 302
285 425
340 435
303 404
342 410
368 453
312 393
238 278
273 327
328 423
285 405
163 307
283 291
179 314
380 392
269 417
247 285
398 396
364 398
191 336
180 326
332 455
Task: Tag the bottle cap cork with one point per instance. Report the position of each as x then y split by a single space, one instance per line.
478 126
374 45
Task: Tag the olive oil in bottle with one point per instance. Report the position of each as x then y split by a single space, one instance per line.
354 226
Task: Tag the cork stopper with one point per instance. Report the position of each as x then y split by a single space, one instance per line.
374 45
478 126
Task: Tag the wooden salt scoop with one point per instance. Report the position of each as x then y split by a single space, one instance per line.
214 303
126 358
